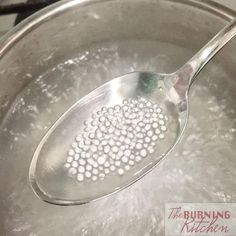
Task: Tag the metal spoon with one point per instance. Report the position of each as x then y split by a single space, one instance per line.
117 133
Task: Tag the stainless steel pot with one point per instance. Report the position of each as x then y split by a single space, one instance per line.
60 54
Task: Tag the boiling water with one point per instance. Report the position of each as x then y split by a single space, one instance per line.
200 169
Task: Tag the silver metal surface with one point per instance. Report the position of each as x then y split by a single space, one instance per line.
47 65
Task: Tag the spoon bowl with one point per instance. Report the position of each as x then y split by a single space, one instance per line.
133 145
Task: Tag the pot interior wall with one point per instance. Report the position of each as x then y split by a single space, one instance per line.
73 52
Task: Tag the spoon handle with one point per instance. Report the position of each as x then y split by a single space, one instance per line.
188 72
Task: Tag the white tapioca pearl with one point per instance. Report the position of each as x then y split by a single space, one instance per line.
93 148
158 110
107 164
154 137
150 150
95 171
95 142
147 139
71 152
161 116
127 167
82 162
74 164
131 162
83 154
161 136
132 157
89 167
143 153
127 152
92 135
69 159
101 176
101 160
112 168
107 171
124 159
72 171
74 144
157 131
140 135
161 122
88 174
117 163
80 177
78 138
138 158
95 164
139 146
81 169
88 155
77 150
155 125
67 165
94 178
163 128
150 133
111 142
106 149
120 171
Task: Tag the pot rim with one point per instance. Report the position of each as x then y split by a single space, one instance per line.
16 33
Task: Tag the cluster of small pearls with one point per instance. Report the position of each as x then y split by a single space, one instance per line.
115 139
